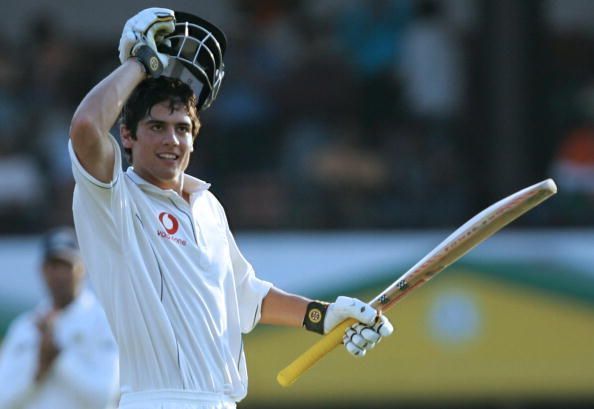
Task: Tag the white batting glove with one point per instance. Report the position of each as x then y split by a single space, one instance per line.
358 339
148 27
347 307
363 336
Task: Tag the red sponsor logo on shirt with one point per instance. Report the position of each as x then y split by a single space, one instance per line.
169 222
171 226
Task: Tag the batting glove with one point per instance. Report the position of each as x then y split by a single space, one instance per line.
359 338
141 35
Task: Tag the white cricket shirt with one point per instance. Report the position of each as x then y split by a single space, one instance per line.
83 375
177 292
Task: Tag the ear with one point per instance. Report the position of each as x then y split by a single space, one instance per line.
126 135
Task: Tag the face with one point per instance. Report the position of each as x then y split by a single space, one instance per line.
163 145
63 280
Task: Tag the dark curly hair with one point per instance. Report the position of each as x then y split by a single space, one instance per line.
153 91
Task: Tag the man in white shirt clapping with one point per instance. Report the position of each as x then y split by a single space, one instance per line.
61 354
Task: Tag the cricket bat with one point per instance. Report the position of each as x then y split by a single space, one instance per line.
460 242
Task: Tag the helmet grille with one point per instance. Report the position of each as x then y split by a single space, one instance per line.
199 46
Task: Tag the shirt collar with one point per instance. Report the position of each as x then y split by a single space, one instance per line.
191 184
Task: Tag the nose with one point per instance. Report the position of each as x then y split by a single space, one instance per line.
170 137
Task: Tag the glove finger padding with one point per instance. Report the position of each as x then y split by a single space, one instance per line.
370 335
157 33
360 338
145 19
346 307
355 344
383 326
148 27
361 342
355 350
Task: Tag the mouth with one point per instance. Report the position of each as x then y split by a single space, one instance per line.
168 156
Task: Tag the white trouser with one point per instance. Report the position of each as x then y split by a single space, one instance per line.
175 399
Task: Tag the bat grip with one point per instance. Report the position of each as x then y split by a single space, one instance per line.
308 359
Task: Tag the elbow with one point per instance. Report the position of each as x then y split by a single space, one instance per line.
82 126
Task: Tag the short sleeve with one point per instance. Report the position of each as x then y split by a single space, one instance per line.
82 177
250 289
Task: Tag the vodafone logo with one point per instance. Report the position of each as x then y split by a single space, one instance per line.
169 222
171 226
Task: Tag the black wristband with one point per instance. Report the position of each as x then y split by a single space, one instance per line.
314 316
149 60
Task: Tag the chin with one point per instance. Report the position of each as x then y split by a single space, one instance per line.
170 180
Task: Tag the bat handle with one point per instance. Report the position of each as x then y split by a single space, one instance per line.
308 359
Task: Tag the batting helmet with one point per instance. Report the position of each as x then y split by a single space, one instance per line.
197 48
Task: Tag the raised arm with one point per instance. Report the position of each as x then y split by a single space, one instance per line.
99 110
97 113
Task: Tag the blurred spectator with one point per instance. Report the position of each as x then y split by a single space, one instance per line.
431 73
418 165
431 65
21 186
301 139
335 177
392 69
62 354
573 165
368 32
369 36
573 169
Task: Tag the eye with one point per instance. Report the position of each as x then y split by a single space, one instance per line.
183 128
156 127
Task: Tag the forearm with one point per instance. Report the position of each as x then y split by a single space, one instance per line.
281 308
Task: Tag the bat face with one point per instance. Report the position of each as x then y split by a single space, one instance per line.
464 239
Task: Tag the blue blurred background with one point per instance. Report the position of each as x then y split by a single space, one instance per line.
362 132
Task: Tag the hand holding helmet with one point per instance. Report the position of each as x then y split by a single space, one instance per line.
178 45
142 34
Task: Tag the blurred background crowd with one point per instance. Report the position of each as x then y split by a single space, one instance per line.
333 114
351 115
